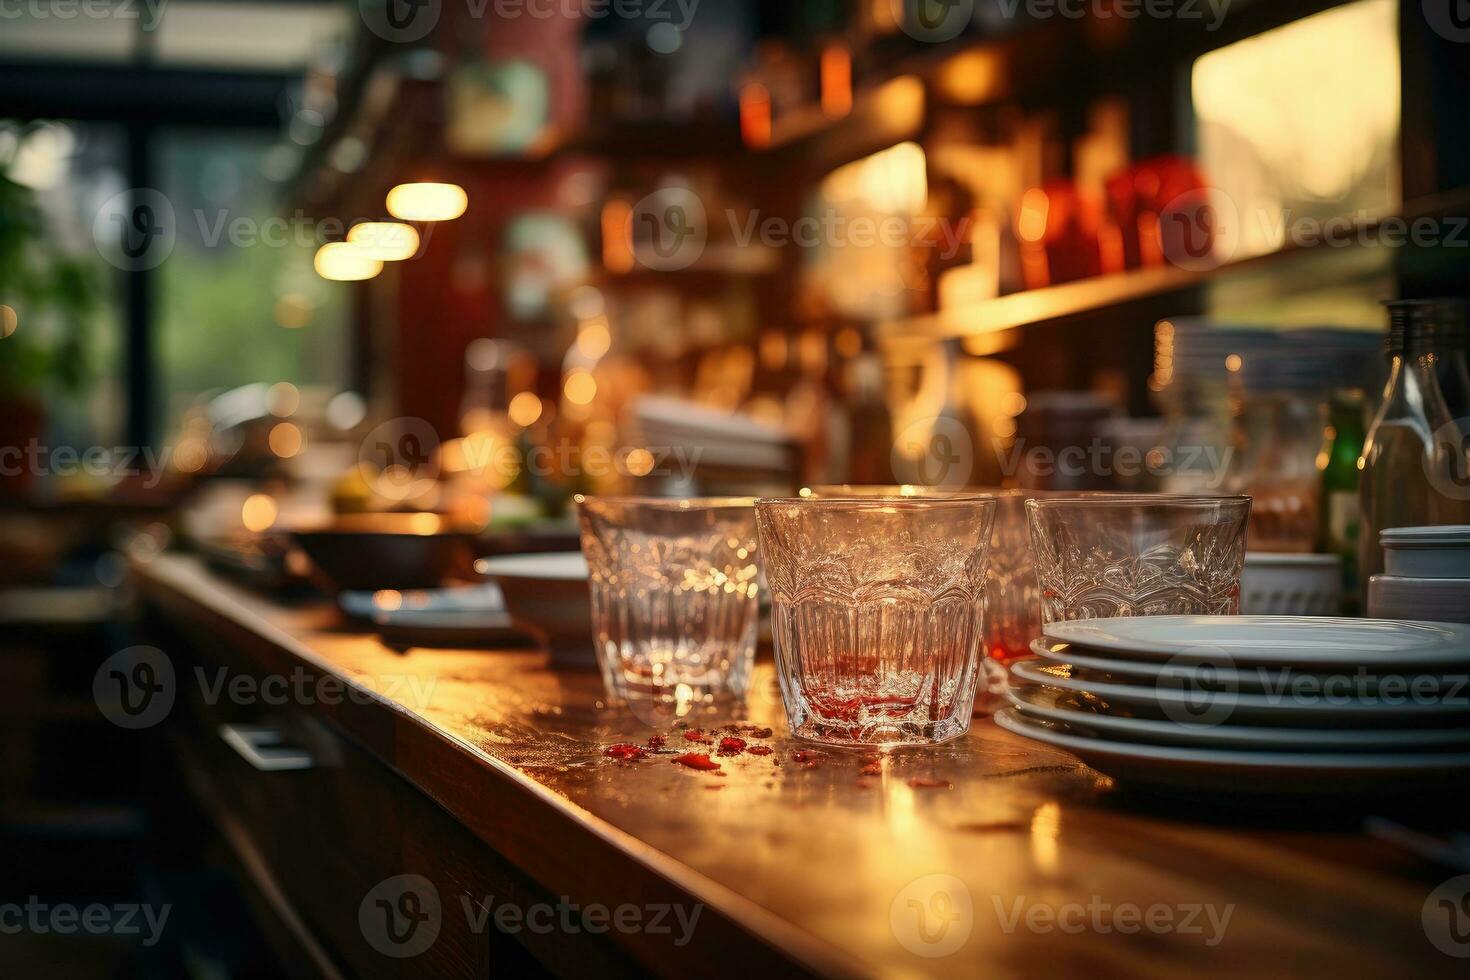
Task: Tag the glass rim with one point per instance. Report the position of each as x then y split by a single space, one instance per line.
668 503
1141 499
913 503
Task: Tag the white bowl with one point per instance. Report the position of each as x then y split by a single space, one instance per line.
1439 600
1281 584
1427 552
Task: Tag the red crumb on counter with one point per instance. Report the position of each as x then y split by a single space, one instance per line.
625 751
758 732
695 735
698 761
759 750
730 745
656 741
803 755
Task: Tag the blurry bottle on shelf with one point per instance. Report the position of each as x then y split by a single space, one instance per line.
1341 513
1410 478
870 459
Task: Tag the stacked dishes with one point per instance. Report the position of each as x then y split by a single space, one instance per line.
1252 704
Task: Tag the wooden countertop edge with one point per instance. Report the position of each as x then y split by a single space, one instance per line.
175 585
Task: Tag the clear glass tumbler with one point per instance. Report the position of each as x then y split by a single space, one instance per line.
1138 555
877 613
675 599
1012 599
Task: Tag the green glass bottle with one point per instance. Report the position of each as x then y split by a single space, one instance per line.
1341 513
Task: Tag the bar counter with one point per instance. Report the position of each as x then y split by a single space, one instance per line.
486 773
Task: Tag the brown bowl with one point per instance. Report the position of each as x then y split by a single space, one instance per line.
368 552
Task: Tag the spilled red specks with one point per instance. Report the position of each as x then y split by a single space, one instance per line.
759 750
696 760
730 745
695 735
625 751
656 741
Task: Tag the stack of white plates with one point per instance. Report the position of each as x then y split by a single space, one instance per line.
1253 704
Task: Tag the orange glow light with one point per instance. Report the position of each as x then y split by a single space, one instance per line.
755 115
836 81
617 237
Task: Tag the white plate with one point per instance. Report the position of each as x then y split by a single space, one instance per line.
1191 769
1295 641
1212 676
1051 704
566 566
1181 702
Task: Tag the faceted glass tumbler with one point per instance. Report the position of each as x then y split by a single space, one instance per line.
877 614
1138 555
1012 598
675 598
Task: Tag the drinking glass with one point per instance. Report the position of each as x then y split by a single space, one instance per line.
1138 555
1012 599
877 613
675 601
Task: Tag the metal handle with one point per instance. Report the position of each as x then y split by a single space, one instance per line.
261 746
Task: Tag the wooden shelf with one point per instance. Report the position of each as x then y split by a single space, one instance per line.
1052 303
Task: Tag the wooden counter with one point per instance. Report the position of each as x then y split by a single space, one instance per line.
1009 857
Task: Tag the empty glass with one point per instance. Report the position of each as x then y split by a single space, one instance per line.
1012 600
675 602
877 607
1138 555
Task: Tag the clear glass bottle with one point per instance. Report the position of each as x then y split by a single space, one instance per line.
1408 480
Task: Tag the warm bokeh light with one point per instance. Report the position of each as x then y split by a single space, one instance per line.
341 262
893 181
283 399
386 241
286 439
836 71
580 388
191 454
525 409
427 202
9 320
594 339
755 115
638 462
617 236
294 311
973 77
259 512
